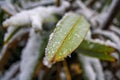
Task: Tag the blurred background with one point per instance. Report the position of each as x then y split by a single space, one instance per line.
103 16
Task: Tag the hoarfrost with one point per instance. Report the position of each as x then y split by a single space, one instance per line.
17 35
115 29
30 55
51 36
9 74
110 35
108 75
9 31
46 63
92 68
33 16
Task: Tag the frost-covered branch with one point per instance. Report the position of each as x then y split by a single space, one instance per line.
92 68
30 55
110 35
113 10
28 17
115 29
31 5
8 7
11 72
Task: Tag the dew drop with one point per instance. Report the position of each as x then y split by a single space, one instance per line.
46 63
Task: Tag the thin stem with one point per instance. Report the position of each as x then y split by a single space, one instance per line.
67 70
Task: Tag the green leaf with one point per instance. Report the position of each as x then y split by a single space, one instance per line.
93 49
67 36
101 56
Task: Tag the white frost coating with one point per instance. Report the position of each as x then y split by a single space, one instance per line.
115 29
16 36
9 31
13 69
88 36
92 68
30 55
33 16
19 34
108 75
107 42
36 22
84 10
45 60
110 35
46 63
20 19
4 48
51 36
87 68
115 55
61 9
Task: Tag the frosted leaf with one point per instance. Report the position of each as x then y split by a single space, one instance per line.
51 36
66 37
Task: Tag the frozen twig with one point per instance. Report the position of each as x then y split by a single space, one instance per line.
30 54
91 67
11 72
29 17
5 53
9 7
31 5
110 35
113 10
84 10
115 29
90 3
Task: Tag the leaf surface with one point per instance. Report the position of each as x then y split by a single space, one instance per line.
67 36
97 50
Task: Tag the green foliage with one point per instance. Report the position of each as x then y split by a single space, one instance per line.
67 36
97 50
